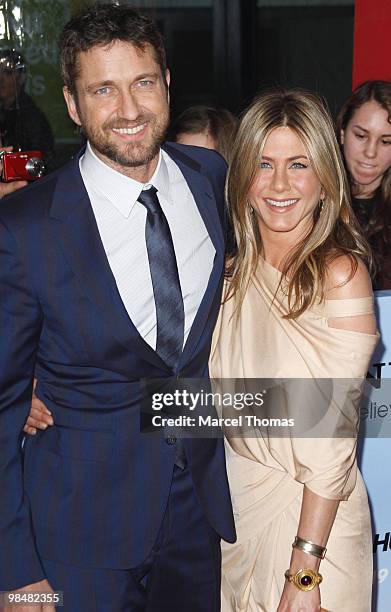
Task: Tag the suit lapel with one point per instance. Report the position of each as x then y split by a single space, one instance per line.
205 200
203 195
77 232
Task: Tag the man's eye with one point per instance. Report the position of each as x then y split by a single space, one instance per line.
386 142
145 83
102 91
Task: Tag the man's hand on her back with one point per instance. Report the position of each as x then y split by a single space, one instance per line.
38 587
39 418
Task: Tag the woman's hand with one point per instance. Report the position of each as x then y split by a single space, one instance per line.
294 600
316 520
7 188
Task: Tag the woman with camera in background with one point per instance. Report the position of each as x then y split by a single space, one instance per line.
364 129
298 305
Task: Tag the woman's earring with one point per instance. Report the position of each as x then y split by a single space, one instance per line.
321 206
251 209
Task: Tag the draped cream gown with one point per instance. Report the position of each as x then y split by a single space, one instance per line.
267 475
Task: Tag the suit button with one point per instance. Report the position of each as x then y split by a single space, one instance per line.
171 440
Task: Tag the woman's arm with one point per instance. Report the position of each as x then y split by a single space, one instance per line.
318 513
316 521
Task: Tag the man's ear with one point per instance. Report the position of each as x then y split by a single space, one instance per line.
342 137
71 105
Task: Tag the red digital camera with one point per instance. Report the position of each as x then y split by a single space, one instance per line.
22 166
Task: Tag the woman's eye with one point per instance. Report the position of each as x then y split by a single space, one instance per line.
386 142
359 136
298 165
264 165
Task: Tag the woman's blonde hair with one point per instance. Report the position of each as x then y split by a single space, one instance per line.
334 231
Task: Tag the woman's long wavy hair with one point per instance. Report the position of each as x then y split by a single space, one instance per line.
378 228
335 230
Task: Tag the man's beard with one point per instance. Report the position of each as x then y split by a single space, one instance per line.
131 155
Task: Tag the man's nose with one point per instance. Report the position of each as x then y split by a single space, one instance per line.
128 107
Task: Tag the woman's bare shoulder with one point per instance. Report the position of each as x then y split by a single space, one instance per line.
343 281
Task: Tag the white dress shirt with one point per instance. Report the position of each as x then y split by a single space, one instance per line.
121 224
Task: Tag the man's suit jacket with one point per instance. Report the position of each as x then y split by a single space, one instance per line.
91 490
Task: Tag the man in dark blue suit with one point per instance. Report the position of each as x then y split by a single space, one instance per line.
111 272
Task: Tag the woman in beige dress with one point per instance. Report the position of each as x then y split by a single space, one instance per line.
298 304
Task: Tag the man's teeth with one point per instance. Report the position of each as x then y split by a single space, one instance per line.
129 131
280 203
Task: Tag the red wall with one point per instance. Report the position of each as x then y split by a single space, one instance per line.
372 41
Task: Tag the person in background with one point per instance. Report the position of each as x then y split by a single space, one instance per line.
22 124
364 130
206 126
8 188
298 305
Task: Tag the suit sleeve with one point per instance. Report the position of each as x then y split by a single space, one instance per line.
20 326
216 171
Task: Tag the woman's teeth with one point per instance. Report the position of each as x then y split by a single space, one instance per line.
281 203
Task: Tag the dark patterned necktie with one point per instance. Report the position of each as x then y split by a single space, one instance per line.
165 280
167 293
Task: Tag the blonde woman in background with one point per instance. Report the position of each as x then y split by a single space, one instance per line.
298 304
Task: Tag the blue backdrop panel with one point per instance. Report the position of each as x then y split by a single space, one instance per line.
376 453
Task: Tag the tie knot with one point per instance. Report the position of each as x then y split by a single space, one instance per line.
150 200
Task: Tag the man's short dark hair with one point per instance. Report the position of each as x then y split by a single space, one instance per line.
101 25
